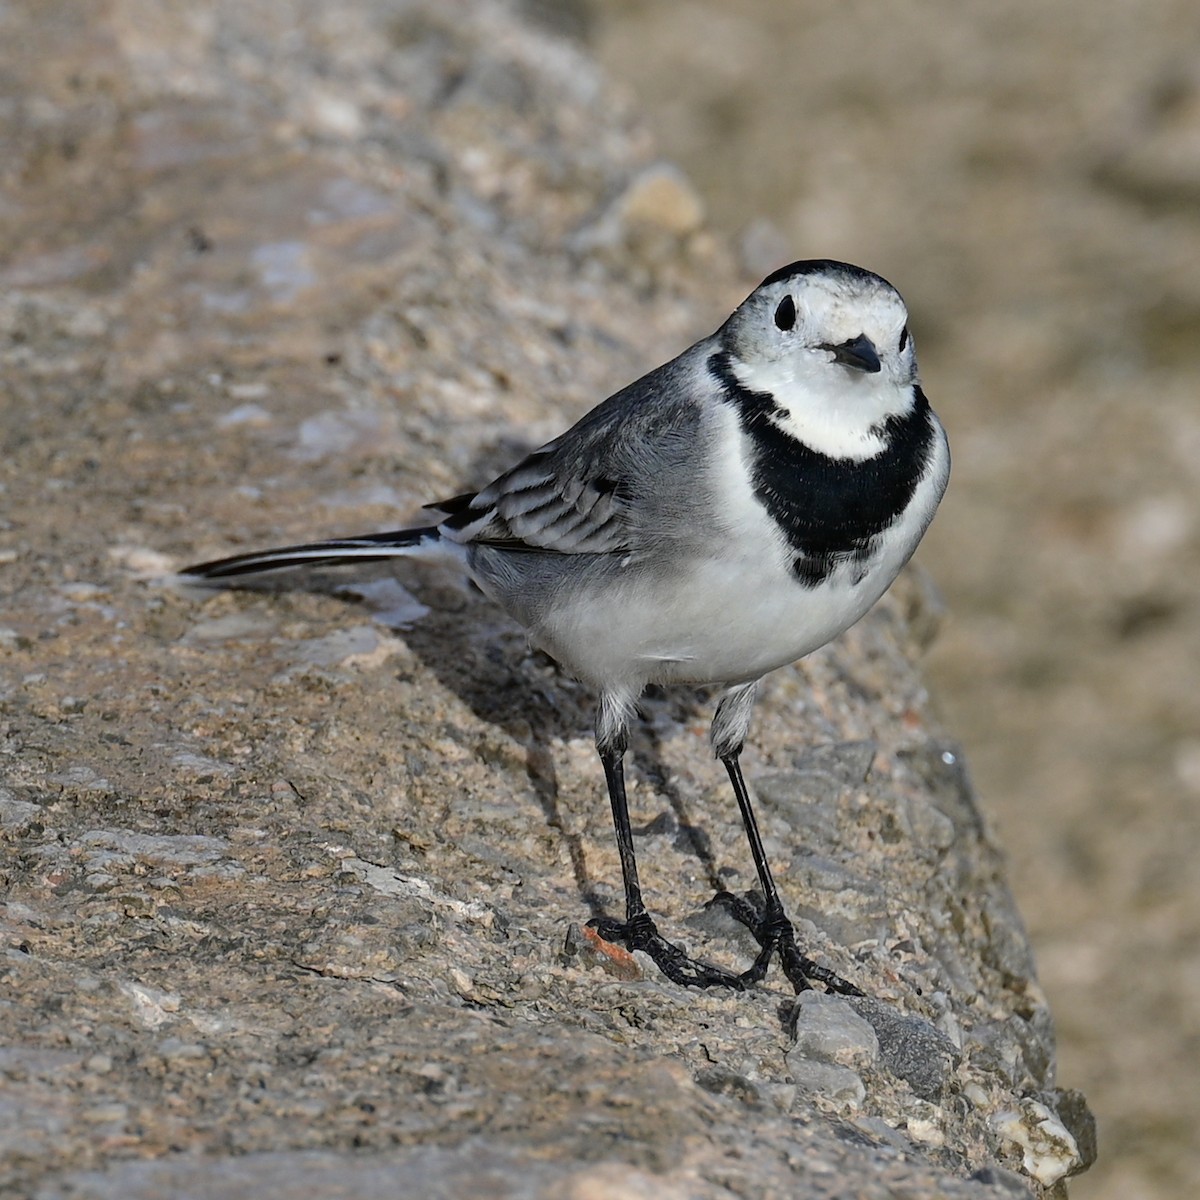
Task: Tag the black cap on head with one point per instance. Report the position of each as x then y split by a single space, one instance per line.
815 266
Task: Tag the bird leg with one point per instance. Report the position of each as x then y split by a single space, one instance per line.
638 931
771 927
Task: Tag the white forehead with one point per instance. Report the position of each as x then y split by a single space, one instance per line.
834 303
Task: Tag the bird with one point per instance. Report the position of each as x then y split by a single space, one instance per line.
723 516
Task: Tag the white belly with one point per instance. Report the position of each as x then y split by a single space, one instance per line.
716 622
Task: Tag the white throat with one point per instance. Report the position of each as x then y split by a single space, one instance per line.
832 409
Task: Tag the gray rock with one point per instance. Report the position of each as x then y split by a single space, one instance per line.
17 815
911 1047
828 1029
176 849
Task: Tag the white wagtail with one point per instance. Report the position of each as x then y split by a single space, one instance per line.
724 515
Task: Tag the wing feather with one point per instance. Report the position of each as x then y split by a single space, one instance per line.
545 504
596 488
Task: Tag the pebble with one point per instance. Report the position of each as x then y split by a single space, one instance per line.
16 815
911 1047
827 1029
183 850
593 951
1048 1152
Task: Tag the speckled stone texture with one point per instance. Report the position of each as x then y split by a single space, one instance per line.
290 877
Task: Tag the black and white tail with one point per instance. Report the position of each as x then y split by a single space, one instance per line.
370 547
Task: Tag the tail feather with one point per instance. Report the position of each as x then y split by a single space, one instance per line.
371 547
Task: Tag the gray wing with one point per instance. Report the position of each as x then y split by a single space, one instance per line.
545 503
595 489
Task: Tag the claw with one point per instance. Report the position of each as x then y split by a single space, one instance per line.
775 935
642 934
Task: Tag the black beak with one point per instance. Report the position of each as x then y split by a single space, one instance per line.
859 353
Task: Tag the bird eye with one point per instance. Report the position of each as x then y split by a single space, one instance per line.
785 314
904 337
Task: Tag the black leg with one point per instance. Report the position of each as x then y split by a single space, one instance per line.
771 927
614 777
638 931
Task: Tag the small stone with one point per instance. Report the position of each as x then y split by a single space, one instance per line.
927 825
782 1095
1048 1152
715 920
233 625
357 646
16 815
592 950
1071 1108
141 561
880 1130
827 1029
336 115
912 1048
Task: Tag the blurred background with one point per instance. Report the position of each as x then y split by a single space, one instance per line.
1028 174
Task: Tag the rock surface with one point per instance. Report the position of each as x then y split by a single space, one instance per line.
288 877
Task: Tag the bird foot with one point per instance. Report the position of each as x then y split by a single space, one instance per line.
776 935
642 934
